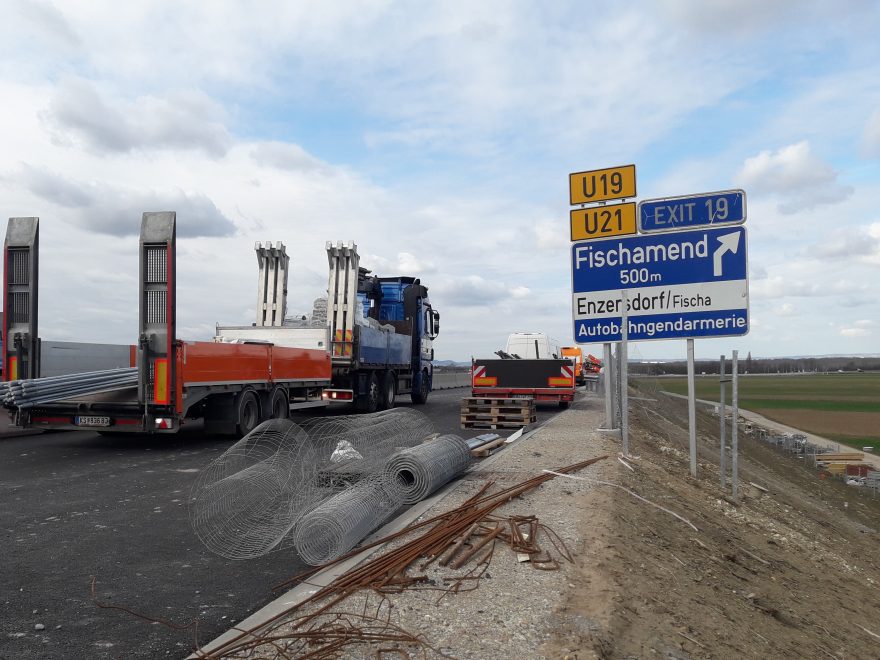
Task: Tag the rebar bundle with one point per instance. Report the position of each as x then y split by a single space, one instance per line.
422 469
33 391
249 498
340 522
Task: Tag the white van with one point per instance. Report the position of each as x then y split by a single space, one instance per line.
531 345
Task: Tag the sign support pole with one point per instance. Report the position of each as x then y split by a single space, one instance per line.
692 407
722 459
624 375
609 386
734 369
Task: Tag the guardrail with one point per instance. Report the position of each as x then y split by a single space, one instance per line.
451 379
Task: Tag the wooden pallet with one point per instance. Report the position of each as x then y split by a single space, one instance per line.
494 413
492 425
496 410
481 401
525 418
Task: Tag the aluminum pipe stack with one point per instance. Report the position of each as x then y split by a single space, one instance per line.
420 470
339 523
30 392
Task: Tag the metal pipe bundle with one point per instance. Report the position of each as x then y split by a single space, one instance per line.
422 469
339 523
34 391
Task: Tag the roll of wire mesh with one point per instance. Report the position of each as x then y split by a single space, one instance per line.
248 499
339 523
369 439
422 469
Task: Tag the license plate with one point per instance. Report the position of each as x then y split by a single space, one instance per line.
92 420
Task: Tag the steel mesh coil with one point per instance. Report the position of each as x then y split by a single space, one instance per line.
370 439
249 498
247 502
340 522
419 471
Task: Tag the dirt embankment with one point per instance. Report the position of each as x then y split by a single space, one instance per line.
793 571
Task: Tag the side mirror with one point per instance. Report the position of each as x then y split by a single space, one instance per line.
435 322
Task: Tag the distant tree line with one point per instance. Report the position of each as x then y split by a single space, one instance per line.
749 365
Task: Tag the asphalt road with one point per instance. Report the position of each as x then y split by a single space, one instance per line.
77 507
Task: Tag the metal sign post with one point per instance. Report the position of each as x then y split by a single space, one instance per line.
692 407
609 386
722 459
624 375
734 369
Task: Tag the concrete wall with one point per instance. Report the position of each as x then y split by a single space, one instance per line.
449 379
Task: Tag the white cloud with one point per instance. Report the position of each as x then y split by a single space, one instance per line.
861 243
871 136
787 309
78 114
796 175
115 210
854 332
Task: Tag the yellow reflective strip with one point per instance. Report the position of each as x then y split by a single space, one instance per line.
160 381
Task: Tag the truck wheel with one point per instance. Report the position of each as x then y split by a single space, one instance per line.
247 413
369 402
389 389
563 405
279 406
420 392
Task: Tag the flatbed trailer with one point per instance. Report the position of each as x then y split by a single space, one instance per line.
544 380
232 387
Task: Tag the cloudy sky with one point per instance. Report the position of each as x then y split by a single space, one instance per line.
439 138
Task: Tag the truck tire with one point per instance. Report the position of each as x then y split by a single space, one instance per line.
420 388
564 405
247 412
389 390
369 402
279 405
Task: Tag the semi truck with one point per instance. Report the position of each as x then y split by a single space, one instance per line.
379 329
232 384
531 367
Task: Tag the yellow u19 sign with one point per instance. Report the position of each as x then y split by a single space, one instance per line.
603 221
602 185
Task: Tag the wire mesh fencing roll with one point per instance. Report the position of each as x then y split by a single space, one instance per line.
339 523
351 447
248 499
419 471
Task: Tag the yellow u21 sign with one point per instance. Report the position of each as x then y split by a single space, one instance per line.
602 185
603 221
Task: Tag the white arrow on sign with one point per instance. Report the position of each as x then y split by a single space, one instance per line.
729 243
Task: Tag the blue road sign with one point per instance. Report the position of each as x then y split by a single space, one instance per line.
727 207
679 284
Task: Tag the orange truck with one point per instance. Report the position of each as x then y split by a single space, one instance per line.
576 355
231 386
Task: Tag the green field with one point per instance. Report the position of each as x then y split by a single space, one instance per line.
841 407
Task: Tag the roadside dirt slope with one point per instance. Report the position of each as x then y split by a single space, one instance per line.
791 572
